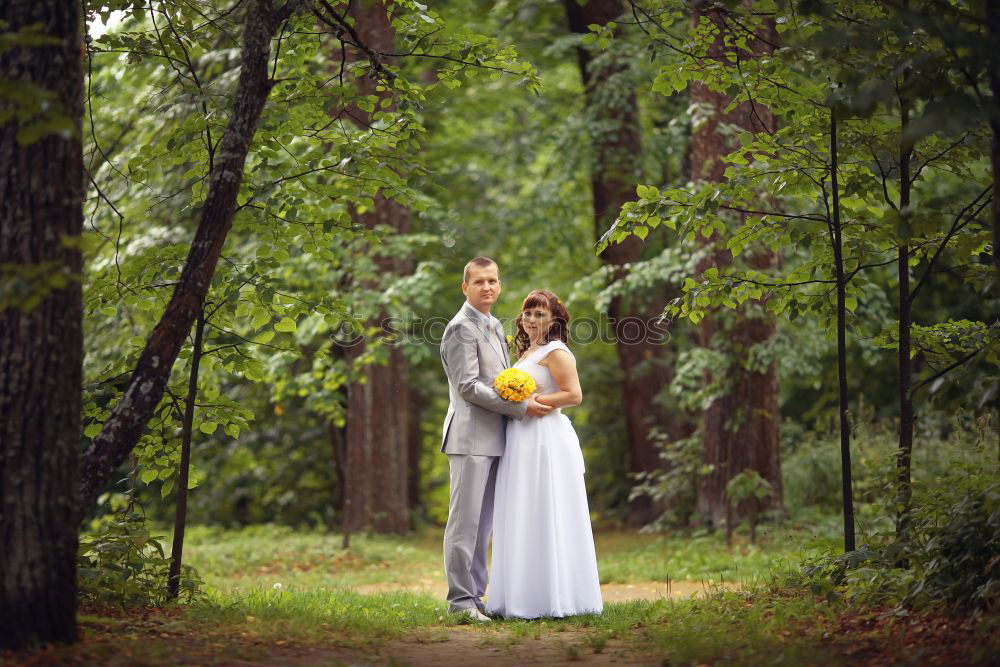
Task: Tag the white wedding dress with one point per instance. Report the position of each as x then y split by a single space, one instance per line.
543 562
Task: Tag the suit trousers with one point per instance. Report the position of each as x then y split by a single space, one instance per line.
470 524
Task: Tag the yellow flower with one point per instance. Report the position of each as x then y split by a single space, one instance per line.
514 384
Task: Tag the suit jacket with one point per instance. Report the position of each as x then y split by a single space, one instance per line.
472 357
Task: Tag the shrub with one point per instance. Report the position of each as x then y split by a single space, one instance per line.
120 563
950 556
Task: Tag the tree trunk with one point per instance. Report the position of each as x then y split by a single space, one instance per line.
415 442
41 346
127 422
904 364
993 29
847 493
740 428
377 470
645 363
180 513
379 458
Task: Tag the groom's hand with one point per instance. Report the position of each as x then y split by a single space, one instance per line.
536 409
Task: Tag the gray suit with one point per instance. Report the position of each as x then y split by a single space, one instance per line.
473 353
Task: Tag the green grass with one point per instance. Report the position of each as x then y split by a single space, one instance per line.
631 557
277 582
313 615
258 557
275 593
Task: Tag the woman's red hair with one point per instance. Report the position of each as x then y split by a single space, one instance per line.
558 330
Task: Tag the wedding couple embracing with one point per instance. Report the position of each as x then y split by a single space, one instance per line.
516 469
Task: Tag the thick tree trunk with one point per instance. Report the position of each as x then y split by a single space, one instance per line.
740 429
377 470
379 455
414 442
127 422
646 364
41 348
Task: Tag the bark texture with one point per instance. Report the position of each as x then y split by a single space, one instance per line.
380 461
128 420
41 348
741 427
646 365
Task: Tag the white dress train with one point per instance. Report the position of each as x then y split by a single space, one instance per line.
543 562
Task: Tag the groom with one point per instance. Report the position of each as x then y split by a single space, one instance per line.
474 352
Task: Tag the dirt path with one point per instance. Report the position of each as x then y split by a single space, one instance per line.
455 646
471 645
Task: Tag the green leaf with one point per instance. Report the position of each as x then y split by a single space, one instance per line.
260 317
208 427
286 325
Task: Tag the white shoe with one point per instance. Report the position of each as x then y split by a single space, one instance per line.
472 614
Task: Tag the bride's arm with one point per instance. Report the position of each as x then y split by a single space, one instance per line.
563 369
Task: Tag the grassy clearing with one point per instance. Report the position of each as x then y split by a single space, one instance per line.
275 595
763 626
313 615
258 557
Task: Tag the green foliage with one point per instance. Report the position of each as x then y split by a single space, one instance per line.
121 563
748 485
811 460
950 558
951 544
300 276
677 481
776 194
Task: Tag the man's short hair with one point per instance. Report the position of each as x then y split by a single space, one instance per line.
479 262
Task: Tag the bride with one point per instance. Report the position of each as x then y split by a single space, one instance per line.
543 561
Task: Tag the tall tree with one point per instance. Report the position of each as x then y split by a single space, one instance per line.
122 430
613 113
740 427
379 458
41 336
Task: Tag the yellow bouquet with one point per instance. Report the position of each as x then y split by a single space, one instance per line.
514 384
